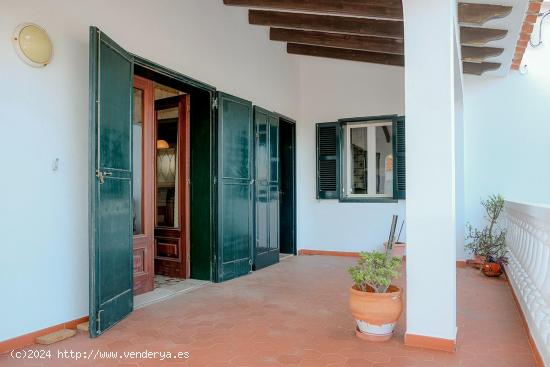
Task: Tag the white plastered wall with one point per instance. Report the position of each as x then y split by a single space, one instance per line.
507 132
332 90
44 116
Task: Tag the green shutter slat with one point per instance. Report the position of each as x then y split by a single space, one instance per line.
327 160
399 168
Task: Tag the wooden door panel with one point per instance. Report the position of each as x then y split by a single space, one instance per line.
111 229
274 221
143 265
168 248
262 218
143 243
114 253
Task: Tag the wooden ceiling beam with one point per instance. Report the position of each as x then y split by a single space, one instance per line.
329 23
478 14
387 9
472 36
346 54
367 43
338 40
376 57
479 54
478 68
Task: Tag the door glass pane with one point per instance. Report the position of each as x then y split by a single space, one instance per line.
236 137
384 160
358 161
137 131
167 168
261 149
274 149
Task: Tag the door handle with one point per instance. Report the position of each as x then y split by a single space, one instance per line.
101 175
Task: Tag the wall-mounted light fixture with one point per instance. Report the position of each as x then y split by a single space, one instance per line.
32 44
162 144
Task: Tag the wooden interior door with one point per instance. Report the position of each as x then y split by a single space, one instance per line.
172 187
144 151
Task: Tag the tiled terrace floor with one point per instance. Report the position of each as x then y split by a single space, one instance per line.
296 314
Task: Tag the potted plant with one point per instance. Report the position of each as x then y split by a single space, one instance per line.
375 303
489 243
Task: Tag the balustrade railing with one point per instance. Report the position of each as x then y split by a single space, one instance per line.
528 239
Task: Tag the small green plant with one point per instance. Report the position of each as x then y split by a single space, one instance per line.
489 242
375 271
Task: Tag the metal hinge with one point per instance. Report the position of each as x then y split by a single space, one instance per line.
215 103
215 180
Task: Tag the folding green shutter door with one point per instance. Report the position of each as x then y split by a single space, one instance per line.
111 278
266 188
235 200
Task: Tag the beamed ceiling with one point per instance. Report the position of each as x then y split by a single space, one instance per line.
372 30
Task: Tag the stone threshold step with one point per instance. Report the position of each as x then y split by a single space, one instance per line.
55 337
84 326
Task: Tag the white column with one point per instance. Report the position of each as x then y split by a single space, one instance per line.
431 93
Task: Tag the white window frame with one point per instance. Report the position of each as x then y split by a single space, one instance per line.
371 163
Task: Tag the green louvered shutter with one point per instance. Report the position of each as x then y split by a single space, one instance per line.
399 184
327 160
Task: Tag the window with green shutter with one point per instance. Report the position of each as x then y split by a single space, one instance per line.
361 159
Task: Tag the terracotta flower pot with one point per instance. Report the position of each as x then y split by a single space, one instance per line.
376 313
398 249
491 269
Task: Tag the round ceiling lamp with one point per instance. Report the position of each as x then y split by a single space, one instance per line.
33 45
162 144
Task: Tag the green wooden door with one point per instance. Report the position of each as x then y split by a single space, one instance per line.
111 275
266 188
235 219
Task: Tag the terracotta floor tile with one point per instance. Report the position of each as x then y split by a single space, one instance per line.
285 316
